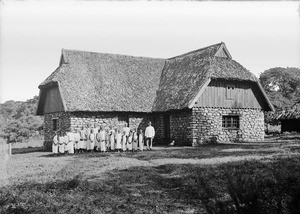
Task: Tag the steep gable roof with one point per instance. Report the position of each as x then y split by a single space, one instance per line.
91 81
107 82
185 75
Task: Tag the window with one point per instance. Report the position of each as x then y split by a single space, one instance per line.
231 122
55 124
230 92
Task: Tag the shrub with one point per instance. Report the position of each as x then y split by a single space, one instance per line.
254 187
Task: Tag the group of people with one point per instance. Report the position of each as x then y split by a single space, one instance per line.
96 138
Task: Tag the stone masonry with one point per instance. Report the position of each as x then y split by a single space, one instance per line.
180 127
206 125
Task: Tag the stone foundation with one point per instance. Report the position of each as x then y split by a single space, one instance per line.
187 127
180 130
206 125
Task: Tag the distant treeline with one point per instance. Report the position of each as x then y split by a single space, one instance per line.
18 121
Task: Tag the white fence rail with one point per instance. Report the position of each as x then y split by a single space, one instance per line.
5 149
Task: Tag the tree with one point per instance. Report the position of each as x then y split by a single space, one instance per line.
282 86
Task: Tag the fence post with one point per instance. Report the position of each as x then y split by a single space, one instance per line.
9 147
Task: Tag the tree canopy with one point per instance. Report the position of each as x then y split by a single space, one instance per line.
18 121
282 86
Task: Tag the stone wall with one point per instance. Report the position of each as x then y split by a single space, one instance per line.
206 125
64 124
180 130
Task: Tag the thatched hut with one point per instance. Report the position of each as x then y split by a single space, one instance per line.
199 96
289 119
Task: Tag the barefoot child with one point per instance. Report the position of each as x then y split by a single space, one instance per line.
55 145
124 141
129 141
141 140
135 140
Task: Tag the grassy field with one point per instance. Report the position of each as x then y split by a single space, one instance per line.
231 178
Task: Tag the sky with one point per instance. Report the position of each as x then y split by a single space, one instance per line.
258 35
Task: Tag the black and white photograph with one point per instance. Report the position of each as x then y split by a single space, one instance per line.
149 106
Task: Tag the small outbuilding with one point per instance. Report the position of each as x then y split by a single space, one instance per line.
289 119
197 97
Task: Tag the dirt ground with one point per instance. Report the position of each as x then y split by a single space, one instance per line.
42 167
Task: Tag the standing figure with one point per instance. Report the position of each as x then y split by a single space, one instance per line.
126 129
71 141
102 140
112 140
149 133
129 141
81 145
135 140
66 142
107 140
77 140
124 141
92 141
61 143
87 137
118 141
141 140
98 141
55 144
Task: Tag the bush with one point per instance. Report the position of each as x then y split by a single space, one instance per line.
254 187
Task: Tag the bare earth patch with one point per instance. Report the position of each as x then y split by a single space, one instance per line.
42 167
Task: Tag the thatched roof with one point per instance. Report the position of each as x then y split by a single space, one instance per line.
185 75
292 113
108 82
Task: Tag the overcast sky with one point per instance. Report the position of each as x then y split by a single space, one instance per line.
259 35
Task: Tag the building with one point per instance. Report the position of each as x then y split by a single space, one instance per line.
289 119
197 97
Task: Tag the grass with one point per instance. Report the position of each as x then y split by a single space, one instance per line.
166 180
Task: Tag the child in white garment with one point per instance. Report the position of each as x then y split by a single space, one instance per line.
55 145
124 141
135 140
118 141
66 142
141 140
98 141
102 139
92 141
112 140
129 141
61 143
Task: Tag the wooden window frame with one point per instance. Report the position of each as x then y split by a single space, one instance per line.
55 124
231 121
230 91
